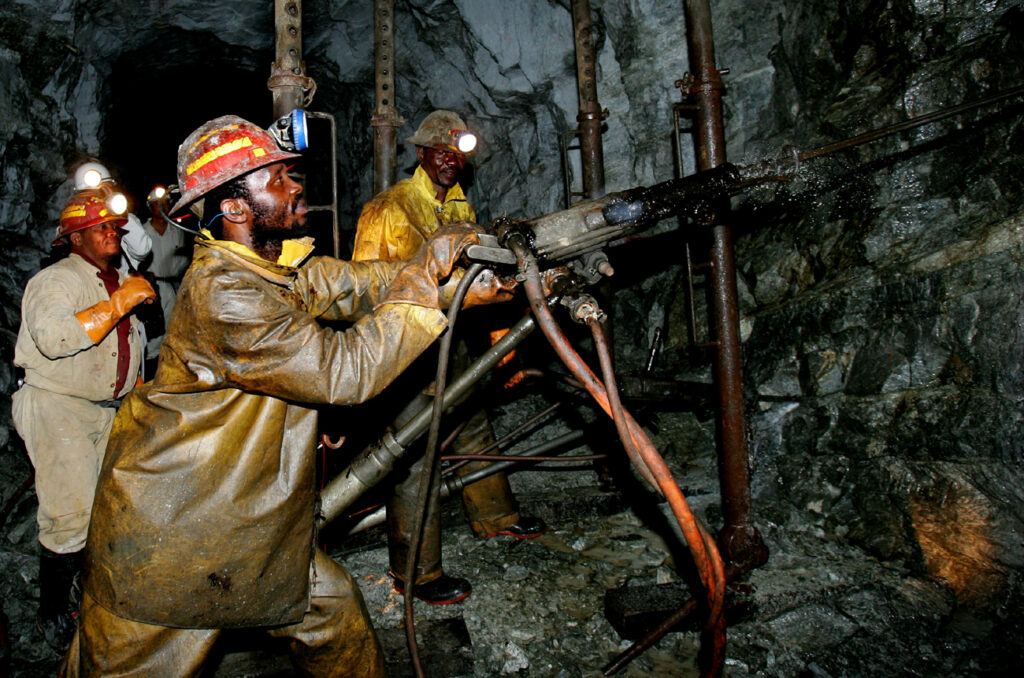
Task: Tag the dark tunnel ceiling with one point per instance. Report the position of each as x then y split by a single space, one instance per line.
158 94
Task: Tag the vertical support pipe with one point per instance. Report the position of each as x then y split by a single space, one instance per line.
385 120
288 81
590 116
739 539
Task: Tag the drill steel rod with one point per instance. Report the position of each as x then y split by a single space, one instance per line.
374 463
611 220
910 123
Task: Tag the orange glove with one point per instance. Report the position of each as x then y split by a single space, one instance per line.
98 320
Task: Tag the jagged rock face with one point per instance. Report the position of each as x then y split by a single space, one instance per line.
879 290
885 300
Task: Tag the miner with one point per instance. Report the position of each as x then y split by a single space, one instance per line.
167 261
392 227
205 509
80 348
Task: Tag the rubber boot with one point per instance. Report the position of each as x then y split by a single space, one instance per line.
432 584
490 506
59 597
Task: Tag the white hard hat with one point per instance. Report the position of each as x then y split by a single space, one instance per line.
90 175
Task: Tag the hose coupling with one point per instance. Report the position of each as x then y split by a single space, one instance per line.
583 308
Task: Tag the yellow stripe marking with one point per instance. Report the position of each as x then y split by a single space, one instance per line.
73 211
218 152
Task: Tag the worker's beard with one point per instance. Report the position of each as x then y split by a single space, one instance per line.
272 224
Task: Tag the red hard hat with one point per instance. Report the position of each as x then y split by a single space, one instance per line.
86 209
219 151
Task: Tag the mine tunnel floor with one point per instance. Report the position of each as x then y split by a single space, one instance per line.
816 608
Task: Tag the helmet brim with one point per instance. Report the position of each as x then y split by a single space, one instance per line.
117 221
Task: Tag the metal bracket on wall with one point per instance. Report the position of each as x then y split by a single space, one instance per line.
333 206
565 144
565 141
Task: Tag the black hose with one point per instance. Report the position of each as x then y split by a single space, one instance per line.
427 479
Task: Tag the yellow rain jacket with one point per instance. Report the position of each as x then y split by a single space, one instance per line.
204 513
397 221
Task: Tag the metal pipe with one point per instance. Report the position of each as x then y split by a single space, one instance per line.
454 484
385 120
525 427
589 116
519 459
288 80
739 539
374 463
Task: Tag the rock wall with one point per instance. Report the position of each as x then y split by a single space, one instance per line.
884 295
879 290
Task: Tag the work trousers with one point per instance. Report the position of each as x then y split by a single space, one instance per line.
66 438
334 638
489 503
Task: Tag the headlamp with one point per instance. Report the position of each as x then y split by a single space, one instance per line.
91 178
290 131
113 198
158 193
117 203
465 140
90 175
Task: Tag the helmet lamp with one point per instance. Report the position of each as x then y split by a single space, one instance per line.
465 140
90 175
118 203
291 132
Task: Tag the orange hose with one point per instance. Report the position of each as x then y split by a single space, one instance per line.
644 456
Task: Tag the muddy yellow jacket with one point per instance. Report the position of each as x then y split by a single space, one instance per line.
204 514
396 222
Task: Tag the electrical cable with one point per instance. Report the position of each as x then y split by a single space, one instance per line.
180 227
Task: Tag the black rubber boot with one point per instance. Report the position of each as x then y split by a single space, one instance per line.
445 590
59 597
